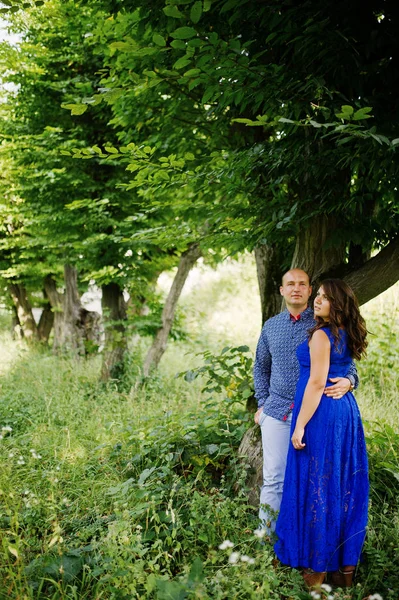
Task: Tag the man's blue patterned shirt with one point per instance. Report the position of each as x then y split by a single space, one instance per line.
276 369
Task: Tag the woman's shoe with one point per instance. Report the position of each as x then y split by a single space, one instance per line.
313 579
341 578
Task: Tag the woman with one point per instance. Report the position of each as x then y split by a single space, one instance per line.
323 516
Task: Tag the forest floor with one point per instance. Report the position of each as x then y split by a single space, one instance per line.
128 490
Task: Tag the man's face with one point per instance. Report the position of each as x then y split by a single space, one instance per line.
295 289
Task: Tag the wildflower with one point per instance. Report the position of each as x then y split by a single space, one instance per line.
375 597
11 455
1 436
326 587
35 454
330 597
6 429
315 595
226 544
260 533
234 558
247 559
20 461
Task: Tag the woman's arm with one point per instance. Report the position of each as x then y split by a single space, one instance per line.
319 347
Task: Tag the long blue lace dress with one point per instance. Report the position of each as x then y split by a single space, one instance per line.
323 516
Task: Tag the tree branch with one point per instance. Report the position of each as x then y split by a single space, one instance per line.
377 274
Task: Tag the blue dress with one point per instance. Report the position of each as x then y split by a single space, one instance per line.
323 515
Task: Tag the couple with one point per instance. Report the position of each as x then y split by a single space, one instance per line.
304 375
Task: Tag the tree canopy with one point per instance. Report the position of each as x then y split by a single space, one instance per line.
135 131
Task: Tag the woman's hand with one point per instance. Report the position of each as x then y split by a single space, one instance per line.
297 437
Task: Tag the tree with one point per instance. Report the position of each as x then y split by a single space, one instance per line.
310 161
65 215
236 119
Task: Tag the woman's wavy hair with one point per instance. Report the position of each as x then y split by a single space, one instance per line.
344 312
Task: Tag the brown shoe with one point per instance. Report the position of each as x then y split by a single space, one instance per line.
313 579
342 579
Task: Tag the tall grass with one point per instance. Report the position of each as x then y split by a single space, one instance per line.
114 495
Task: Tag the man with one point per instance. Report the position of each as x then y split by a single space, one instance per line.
276 373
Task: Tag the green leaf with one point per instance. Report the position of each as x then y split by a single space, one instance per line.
76 109
183 33
243 349
346 112
315 124
196 11
196 574
158 40
284 120
178 44
182 62
362 113
209 92
245 121
195 43
97 149
346 108
145 475
190 376
172 11
192 72
207 5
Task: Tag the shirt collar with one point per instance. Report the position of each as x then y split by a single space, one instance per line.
294 318
303 315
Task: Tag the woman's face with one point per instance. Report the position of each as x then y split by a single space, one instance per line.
321 305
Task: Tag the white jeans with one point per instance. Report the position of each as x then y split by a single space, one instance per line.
275 441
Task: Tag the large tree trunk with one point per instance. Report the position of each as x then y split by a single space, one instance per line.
312 252
23 311
155 353
56 302
76 329
72 333
268 270
16 329
46 323
114 311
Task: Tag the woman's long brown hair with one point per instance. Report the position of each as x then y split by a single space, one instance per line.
344 312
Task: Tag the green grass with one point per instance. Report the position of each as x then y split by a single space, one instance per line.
119 495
